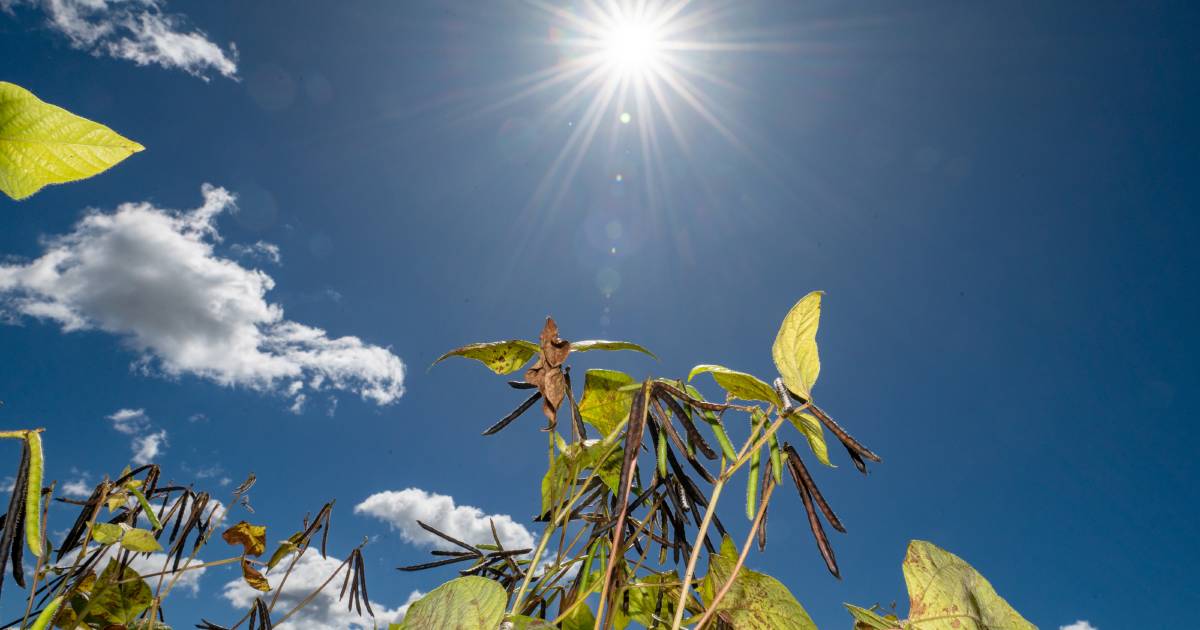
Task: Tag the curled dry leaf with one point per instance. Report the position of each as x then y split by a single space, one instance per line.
252 538
547 372
253 577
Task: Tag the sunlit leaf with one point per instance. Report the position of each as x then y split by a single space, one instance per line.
605 401
739 384
465 603
252 538
869 620
106 533
755 600
501 357
601 344
285 548
521 622
119 596
573 462
795 348
37 464
41 144
814 432
146 508
253 577
580 619
945 593
140 540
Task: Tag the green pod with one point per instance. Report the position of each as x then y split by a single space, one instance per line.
776 459
154 522
662 455
752 483
47 616
33 494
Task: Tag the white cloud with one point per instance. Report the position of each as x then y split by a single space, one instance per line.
402 509
136 30
146 448
77 489
130 421
261 250
1079 625
150 276
325 612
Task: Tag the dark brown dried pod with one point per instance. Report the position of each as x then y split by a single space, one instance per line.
513 415
814 523
811 486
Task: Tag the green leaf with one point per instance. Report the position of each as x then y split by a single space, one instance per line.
465 603
501 357
106 533
815 433
41 144
580 619
795 348
945 593
37 460
140 540
739 384
643 600
867 620
605 402
117 601
755 600
601 344
572 463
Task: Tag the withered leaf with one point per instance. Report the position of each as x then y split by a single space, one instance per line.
253 577
546 372
252 538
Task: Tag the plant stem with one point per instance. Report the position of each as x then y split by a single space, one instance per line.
686 584
762 511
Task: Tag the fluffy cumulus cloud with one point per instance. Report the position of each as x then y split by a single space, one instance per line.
402 509
147 448
325 612
141 31
129 421
152 277
1078 625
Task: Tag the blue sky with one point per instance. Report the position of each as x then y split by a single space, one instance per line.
998 201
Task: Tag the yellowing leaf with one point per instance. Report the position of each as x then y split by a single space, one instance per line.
573 463
106 533
252 538
601 344
37 464
253 577
41 144
605 404
755 600
140 540
945 593
869 620
502 357
812 429
739 384
465 603
795 348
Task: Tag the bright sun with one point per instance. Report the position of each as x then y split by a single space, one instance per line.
632 45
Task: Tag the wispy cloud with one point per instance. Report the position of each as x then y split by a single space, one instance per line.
1079 625
147 444
130 421
141 31
324 612
151 276
402 509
